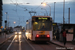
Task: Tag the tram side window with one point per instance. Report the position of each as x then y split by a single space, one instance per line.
27 26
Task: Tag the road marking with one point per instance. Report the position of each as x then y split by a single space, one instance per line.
19 42
29 43
20 45
11 42
16 40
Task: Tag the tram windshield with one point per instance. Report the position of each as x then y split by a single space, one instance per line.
41 24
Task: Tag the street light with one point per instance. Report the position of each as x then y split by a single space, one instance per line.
14 24
44 4
46 11
49 7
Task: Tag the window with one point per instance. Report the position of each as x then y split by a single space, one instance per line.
43 24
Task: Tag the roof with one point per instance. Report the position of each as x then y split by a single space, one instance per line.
68 24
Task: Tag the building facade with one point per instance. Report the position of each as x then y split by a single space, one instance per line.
1 12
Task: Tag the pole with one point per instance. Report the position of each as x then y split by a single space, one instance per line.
46 11
5 27
63 11
14 24
54 11
69 16
6 19
50 9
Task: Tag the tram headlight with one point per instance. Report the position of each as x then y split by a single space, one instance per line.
19 32
15 32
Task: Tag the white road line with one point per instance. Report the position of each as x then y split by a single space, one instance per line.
20 45
9 40
11 43
19 42
29 43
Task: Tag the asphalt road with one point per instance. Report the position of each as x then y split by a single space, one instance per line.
19 42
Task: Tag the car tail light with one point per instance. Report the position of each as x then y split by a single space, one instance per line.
37 35
48 35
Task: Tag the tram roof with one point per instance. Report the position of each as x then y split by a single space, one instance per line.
40 16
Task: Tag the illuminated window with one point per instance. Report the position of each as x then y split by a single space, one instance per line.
42 18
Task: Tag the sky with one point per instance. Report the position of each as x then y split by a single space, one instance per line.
19 15
36 2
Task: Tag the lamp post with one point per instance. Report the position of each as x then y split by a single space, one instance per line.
46 11
14 24
54 11
49 7
69 15
6 20
6 14
63 11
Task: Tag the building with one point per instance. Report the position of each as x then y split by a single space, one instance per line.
1 13
70 28
18 28
70 31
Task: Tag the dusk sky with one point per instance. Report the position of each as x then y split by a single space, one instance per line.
20 16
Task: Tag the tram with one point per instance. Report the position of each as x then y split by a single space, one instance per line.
39 28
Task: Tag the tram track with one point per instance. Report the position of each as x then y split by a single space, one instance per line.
6 43
40 45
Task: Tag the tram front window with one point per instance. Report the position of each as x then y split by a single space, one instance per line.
42 25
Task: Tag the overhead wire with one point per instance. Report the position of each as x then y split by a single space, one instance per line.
25 8
17 4
16 8
22 7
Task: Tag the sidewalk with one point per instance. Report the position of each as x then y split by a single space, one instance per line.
68 45
3 38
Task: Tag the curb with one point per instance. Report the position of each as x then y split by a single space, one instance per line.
56 44
6 39
60 45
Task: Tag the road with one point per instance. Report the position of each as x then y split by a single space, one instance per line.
19 42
